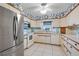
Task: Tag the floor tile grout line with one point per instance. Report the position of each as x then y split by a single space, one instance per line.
52 50
43 46
32 52
35 49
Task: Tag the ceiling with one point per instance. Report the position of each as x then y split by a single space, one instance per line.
33 9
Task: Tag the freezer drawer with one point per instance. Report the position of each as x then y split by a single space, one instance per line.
14 51
8 52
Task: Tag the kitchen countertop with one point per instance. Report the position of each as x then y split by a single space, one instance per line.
73 37
42 32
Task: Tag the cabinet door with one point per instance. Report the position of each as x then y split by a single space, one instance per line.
75 52
35 38
55 39
33 23
56 23
63 22
42 38
47 39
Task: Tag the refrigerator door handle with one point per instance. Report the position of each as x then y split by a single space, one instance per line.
15 28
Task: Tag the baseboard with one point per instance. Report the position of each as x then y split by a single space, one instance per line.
48 43
28 47
43 43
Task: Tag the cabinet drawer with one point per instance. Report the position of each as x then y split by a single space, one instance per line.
74 52
74 44
68 53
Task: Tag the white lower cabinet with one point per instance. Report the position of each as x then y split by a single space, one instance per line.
55 39
75 52
47 38
42 38
70 48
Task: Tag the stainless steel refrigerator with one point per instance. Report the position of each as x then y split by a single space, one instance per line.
11 33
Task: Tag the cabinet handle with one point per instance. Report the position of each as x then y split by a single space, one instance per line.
75 44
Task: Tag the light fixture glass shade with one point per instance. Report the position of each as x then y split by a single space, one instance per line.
43 11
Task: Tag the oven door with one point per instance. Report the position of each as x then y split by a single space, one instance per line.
30 37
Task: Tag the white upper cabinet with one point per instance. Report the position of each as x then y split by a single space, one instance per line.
63 22
56 23
73 17
33 23
38 23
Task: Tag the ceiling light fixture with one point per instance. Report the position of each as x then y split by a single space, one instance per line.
43 11
43 8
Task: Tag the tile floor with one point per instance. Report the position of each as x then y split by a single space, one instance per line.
44 50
